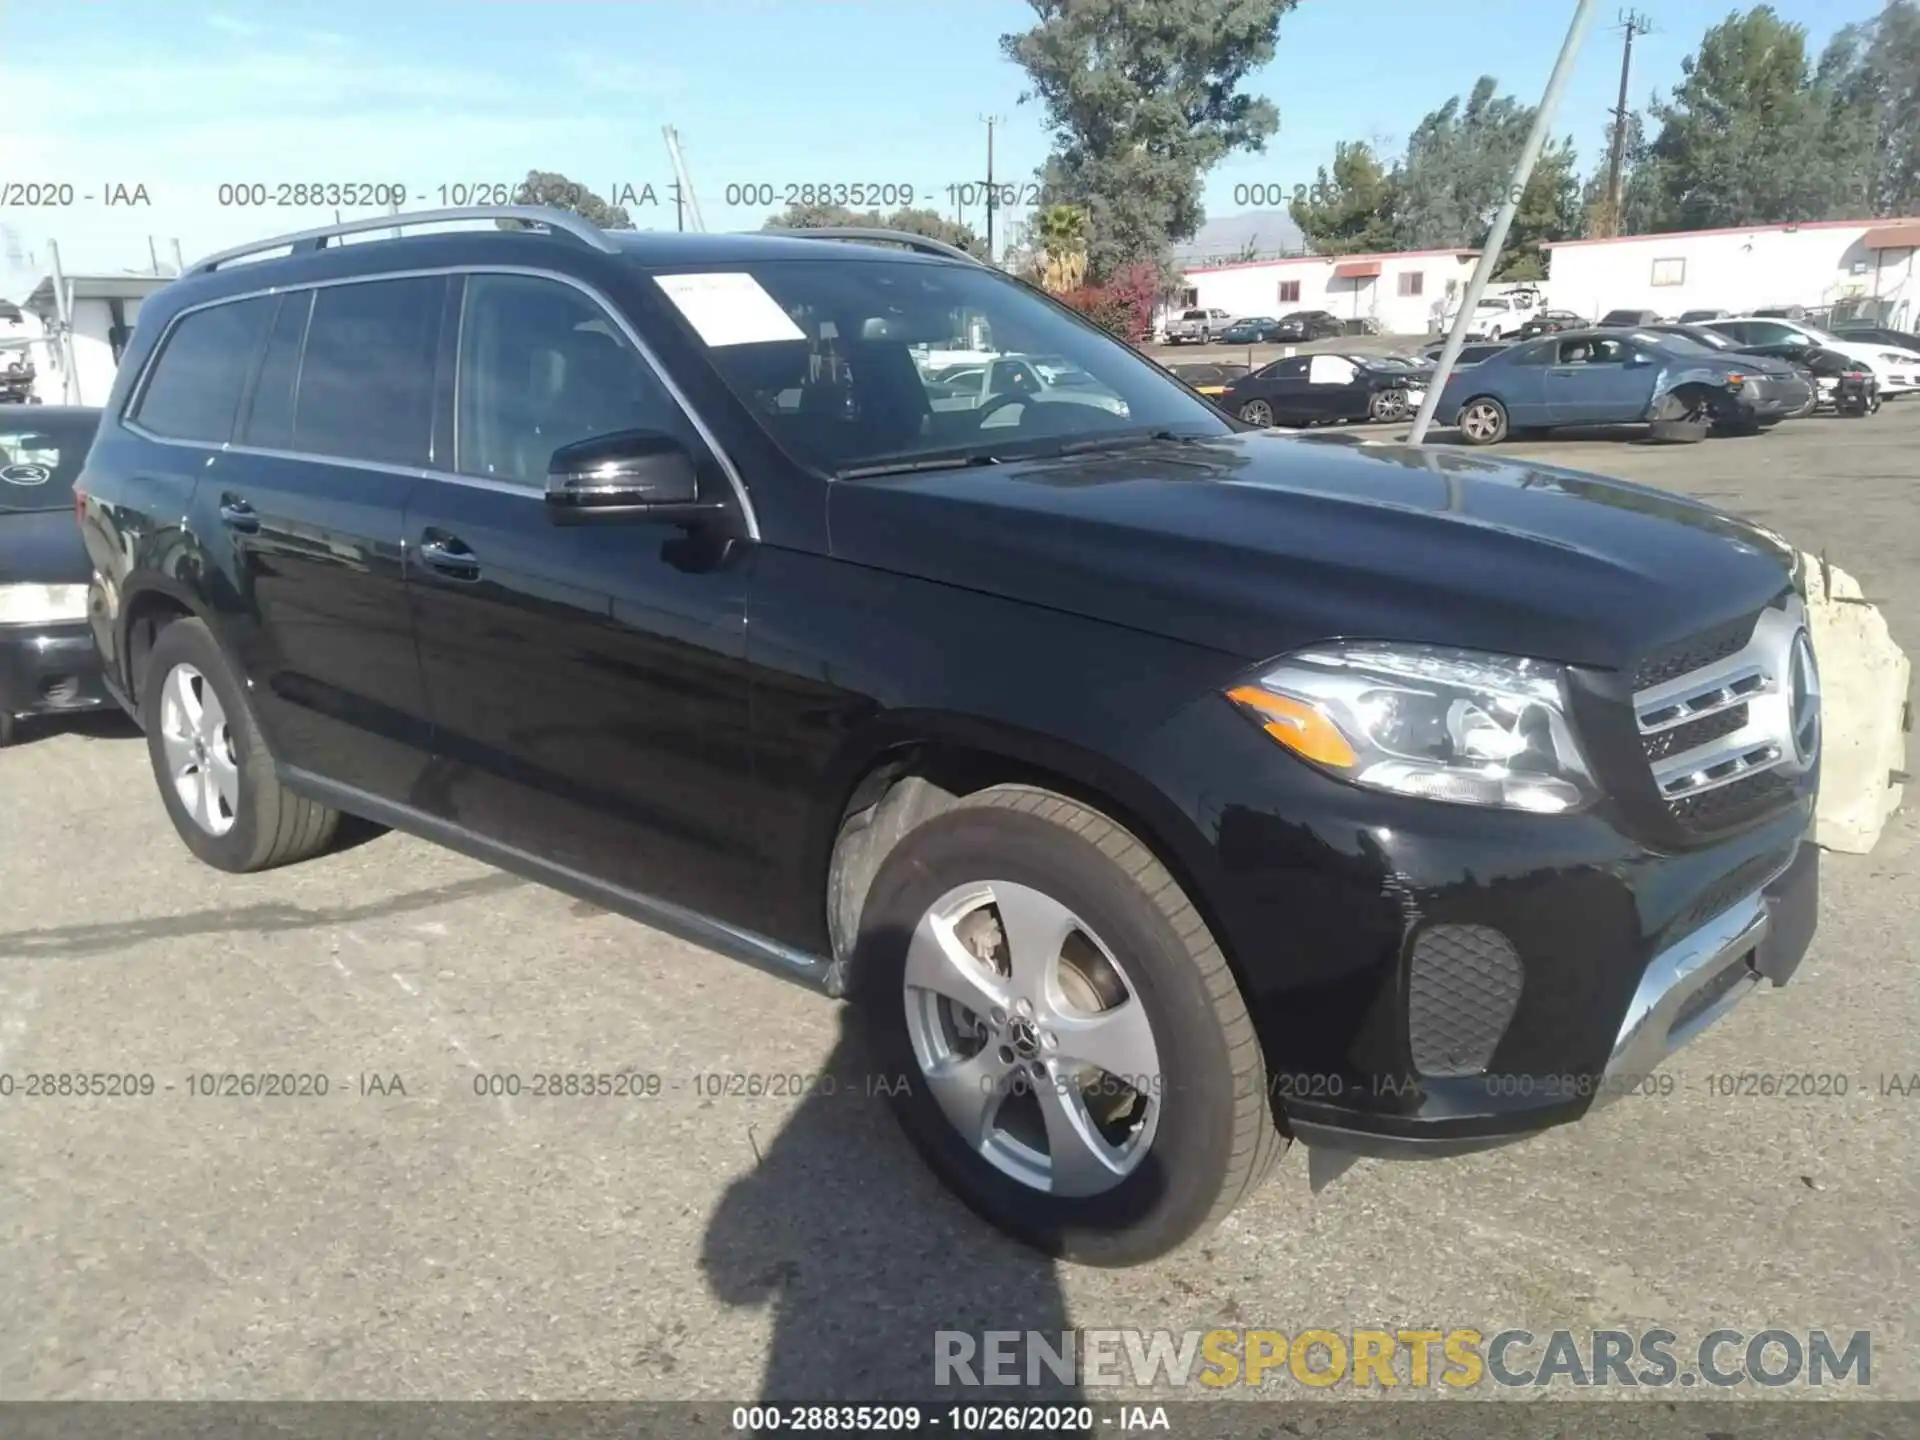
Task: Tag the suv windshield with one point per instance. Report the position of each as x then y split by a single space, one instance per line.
40 455
823 353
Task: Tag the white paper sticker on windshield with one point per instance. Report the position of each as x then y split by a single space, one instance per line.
729 309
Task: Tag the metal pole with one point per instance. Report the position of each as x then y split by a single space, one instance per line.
153 256
1502 222
63 313
179 260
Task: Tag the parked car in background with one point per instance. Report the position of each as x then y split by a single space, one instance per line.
1469 354
1630 319
1551 322
1895 369
1308 325
1619 377
1858 333
1840 382
1496 317
1198 327
47 660
1782 312
1322 389
1249 330
1209 379
1692 317
1043 379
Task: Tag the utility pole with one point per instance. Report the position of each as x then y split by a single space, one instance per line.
679 208
990 121
1632 23
1502 222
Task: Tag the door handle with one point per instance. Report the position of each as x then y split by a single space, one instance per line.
448 556
237 514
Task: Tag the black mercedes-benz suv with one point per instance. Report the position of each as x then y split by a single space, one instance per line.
1160 788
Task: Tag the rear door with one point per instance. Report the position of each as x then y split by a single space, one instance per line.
333 433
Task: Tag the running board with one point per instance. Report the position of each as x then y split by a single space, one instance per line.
690 925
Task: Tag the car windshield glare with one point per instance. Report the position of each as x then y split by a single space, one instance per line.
835 361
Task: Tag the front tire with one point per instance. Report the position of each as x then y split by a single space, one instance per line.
1483 421
1060 1035
215 775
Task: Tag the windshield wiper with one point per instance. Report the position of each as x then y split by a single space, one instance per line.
1125 442
906 465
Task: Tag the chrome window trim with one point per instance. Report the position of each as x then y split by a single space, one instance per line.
593 293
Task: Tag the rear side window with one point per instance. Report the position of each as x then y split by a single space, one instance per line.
269 420
194 390
366 377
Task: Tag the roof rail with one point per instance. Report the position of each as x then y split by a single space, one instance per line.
926 244
560 222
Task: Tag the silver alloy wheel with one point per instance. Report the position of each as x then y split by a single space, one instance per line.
1481 421
1032 1039
201 760
1257 412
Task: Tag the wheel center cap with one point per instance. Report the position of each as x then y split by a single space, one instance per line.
1022 1035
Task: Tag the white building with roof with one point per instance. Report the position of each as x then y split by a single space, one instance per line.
1406 293
1857 265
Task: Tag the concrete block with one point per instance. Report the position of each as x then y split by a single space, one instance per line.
1864 678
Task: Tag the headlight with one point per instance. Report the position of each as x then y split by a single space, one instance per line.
1888 358
1452 725
42 604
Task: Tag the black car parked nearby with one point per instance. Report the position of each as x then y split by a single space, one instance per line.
1158 788
1839 381
1308 325
1551 322
1322 390
47 660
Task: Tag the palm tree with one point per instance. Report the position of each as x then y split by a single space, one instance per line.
1063 247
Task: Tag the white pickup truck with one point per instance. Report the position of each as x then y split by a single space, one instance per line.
1498 317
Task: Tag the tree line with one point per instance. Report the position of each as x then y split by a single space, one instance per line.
1758 131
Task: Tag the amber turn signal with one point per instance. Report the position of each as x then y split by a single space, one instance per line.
1297 725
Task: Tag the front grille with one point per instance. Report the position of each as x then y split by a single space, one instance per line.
1461 993
1693 733
1694 653
1716 719
1733 804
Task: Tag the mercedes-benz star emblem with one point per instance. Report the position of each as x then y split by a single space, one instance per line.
1804 693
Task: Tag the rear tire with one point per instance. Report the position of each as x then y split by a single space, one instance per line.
1159 1169
216 778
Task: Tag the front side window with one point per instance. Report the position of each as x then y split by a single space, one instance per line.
1601 350
821 352
542 366
194 389
366 376
39 457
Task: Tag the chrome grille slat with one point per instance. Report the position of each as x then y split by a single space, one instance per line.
1726 723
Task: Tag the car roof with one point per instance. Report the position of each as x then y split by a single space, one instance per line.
53 412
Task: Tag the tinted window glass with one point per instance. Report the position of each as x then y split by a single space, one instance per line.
269 422
39 456
541 366
366 380
195 387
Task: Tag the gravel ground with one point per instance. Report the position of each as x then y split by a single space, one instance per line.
406 1237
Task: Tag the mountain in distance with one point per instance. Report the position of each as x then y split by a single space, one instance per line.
1221 241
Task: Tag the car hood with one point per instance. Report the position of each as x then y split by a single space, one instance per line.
42 547
1255 544
1869 354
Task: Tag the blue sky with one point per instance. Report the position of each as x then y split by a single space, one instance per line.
424 93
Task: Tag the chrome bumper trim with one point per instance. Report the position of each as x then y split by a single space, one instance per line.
1652 1030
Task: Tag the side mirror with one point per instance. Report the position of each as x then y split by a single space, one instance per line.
1639 357
638 474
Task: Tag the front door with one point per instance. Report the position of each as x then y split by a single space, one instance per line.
1596 381
330 442
587 681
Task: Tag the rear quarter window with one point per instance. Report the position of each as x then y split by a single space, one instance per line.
192 391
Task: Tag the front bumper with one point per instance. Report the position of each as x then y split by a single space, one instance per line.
49 669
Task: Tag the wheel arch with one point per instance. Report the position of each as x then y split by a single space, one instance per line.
921 763
147 606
